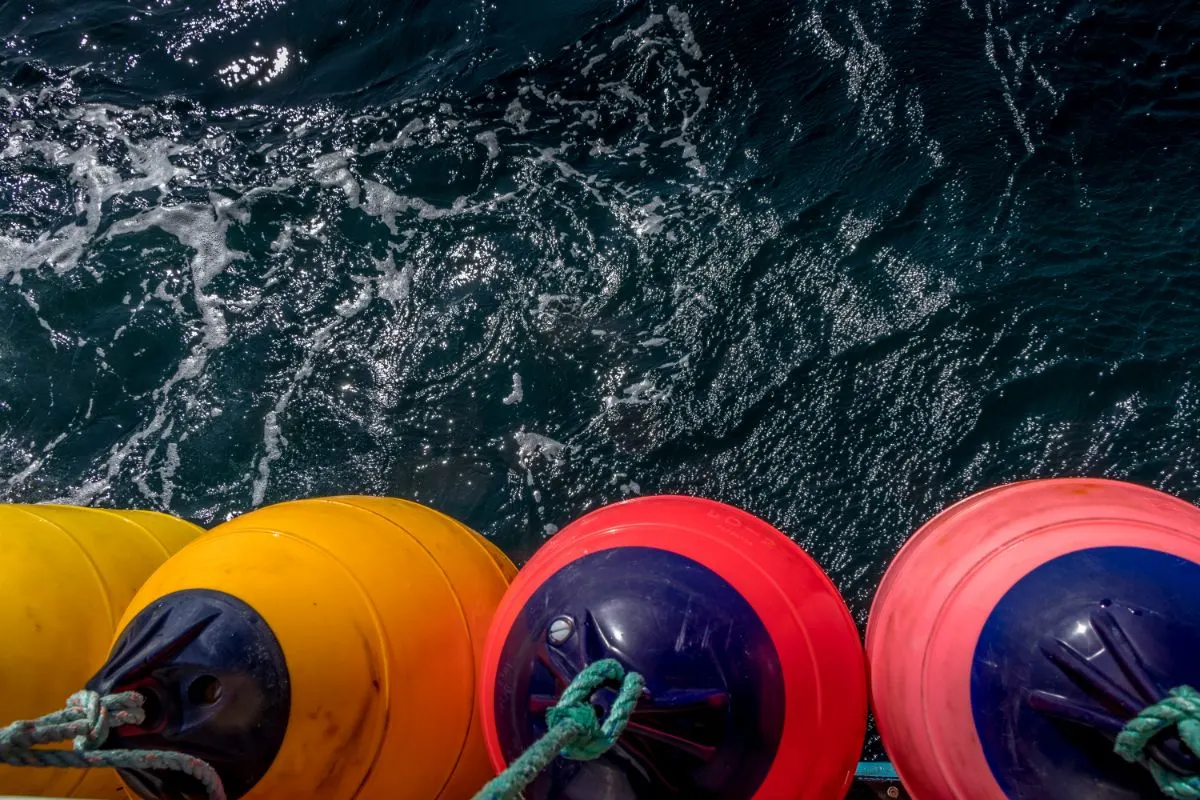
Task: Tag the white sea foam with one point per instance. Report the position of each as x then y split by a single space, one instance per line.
403 139
517 115
97 182
488 140
393 285
533 445
591 64
204 230
382 202
637 33
332 170
517 394
351 307
682 23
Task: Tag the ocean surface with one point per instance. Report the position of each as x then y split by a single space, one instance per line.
838 263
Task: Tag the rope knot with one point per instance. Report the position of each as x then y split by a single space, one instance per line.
99 712
95 714
1180 710
591 742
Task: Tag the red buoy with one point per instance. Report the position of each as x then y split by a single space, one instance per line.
754 670
1019 630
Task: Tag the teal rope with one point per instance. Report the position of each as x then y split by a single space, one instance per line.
574 731
1180 709
86 721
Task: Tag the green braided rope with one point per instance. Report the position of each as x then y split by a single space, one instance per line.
86 721
1180 709
574 731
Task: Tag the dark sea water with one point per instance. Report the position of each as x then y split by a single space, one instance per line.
838 263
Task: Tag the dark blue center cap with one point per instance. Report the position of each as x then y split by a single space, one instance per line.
1074 650
216 687
711 717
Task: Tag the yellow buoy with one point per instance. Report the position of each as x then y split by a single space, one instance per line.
317 648
66 576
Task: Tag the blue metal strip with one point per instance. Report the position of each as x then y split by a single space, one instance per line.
876 770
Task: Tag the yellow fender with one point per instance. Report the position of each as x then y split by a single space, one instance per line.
381 608
66 576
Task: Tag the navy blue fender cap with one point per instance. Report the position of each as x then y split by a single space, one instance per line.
215 685
710 720
1074 650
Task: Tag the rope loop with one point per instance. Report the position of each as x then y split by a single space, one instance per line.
574 729
85 721
595 739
